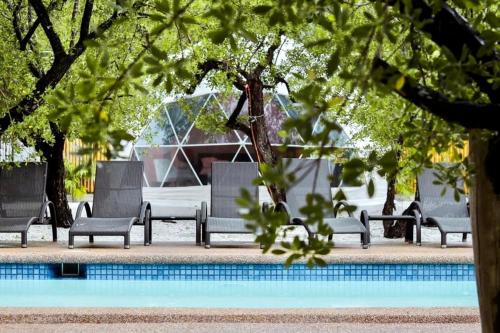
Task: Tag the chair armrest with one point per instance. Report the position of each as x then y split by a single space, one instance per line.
266 206
282 206
203 212
340 204
43 211
416 207
145 207
86 205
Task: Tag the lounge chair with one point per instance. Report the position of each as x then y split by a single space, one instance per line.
443 211
306 171
227 180
23 201
117 204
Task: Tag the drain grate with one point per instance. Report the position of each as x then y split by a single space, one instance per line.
71 270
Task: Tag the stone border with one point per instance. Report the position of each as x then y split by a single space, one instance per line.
204 315
151 258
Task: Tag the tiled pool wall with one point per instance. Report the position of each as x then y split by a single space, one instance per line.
242 272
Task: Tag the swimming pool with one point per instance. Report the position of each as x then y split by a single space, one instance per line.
239 286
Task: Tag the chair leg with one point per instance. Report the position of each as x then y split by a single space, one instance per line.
150 231
409 232
91 239
365 241
146 233
419 235
54 231
24 239
443 240
464 237
203 232
126 241
207 240
71 241
198 228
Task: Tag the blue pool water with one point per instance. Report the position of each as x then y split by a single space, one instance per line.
236 294
239 286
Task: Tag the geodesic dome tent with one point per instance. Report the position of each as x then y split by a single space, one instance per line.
176 153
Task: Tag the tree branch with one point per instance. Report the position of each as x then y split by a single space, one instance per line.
74 13
85 24
48 28
233 122
15 19
281 79
217 65
58 70
269 55
449 29
467 114
24 42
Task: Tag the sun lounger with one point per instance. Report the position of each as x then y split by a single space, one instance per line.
117 204
23 201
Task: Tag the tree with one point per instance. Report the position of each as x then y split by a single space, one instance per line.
43 46
451 73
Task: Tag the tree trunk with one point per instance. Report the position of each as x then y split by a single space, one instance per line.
258 129
485 212
56 192
393 229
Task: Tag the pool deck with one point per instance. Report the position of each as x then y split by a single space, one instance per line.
270 316
231 320
183 252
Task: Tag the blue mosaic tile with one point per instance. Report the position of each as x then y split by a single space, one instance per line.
26 271
254 272
269 272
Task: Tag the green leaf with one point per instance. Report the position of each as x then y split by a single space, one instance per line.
163 6
91 64
333 63
400 82
136 70
217 36
262 9
320 262
362 31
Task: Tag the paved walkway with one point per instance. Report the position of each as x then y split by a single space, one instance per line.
223 252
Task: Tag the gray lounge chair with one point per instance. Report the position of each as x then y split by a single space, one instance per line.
306 171
227 180
117 204
23 201
449 215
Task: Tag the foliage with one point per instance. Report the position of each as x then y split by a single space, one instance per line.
73 180
347 60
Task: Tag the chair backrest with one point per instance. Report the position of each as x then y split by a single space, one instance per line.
433 203
118 189
227 180
22 189
307 171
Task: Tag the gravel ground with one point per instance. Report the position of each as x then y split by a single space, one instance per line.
242 328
